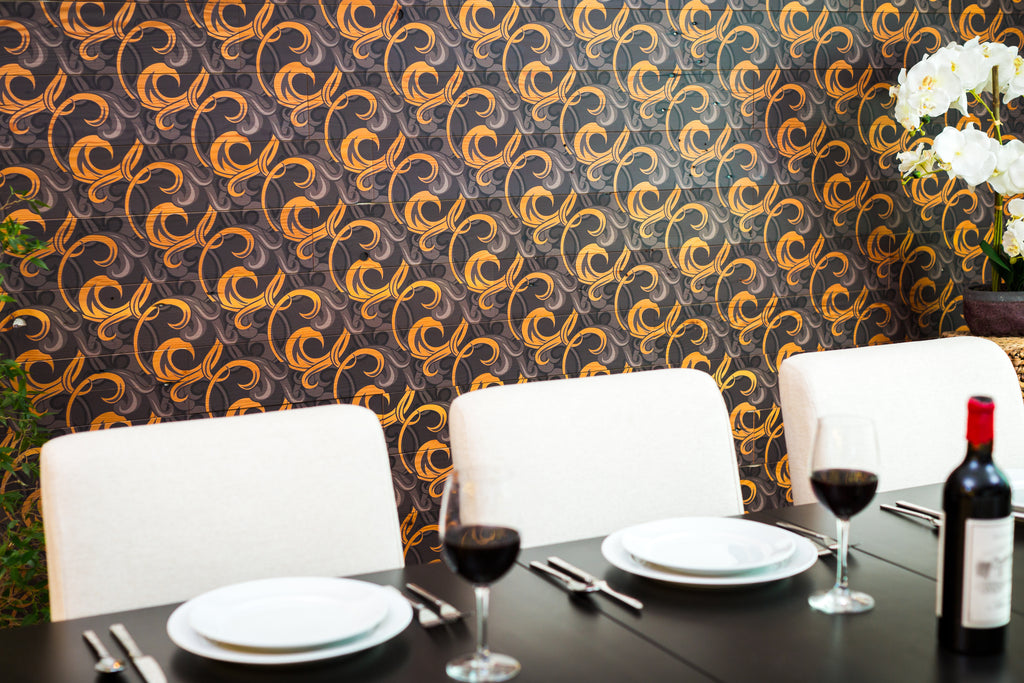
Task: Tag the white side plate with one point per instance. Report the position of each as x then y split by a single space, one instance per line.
804 556
708 545
288 613
399 614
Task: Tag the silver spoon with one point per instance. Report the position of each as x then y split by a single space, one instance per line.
106 664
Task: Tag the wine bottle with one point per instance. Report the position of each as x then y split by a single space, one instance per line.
975 545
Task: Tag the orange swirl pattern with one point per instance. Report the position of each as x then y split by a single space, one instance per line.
259 205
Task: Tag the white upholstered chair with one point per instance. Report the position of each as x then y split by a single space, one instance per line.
153 514
586 456
917 394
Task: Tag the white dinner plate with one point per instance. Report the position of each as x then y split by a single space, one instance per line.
288 613
804 556
708 545
399 614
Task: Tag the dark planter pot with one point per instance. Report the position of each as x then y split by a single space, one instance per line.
994 314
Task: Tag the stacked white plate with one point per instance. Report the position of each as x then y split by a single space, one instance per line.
709 551
288 620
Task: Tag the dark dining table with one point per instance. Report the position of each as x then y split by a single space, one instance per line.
763 632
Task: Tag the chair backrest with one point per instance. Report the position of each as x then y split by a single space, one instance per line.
586 456
916 392
152 514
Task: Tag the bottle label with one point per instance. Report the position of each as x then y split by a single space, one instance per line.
988 572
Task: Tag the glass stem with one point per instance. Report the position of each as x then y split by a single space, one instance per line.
843 540
483 596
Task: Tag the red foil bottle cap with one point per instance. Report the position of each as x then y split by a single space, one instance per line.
979 420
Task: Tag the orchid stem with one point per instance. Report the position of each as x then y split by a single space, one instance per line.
997 213
997 235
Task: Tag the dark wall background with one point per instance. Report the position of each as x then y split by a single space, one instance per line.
259 205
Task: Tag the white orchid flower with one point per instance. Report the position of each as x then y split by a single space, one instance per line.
918 161
1008 178
970 153
933 87
1013 238
943 80
928 89
1014 79
1003 56
1015 208
970 63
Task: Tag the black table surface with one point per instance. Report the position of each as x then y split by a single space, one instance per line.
555 639
769 633
756 633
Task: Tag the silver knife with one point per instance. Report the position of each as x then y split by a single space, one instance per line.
448 611
147 665
926 512
1017 516
911 513
601 584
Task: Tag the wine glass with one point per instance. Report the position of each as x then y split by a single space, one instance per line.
481 550
844 476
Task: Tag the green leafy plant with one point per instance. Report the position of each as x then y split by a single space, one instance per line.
23 592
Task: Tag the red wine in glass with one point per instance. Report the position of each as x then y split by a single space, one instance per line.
480 554
843 491
477 546
844 477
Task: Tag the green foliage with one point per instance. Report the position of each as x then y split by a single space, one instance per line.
1009 272
23 592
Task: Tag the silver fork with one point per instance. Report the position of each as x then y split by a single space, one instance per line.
424 614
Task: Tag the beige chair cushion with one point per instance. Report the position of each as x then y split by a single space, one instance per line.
917 394
153 514
587 456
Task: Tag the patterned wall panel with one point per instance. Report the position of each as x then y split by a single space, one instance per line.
266 204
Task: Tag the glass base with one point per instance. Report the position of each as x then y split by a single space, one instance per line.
473 668
841 601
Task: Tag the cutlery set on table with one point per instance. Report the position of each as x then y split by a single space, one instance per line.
829 545
576 580
106 663
438 614
286 620
933 518
916 512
